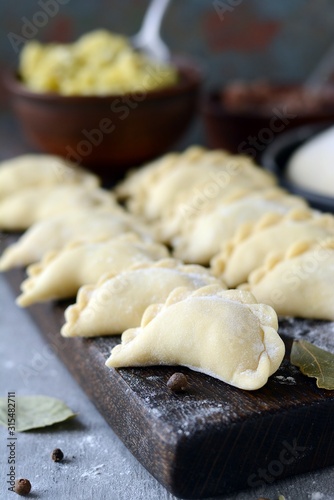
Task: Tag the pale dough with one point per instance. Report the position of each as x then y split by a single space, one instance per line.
60 274
272 233
300 283
225 334
203 235
58 231
35 170
119 301
188 206
27 206
155 188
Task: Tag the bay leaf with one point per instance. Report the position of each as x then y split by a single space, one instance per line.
34 412
314 362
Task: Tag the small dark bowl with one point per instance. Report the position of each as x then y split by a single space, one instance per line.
250 132
276 158
111 133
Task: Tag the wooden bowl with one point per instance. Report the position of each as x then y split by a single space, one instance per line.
251 132
108 134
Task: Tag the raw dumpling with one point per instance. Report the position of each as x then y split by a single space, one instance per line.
155 188
300 283
20 210
119 301
223 333
137 179
203 235
272 233
60 274
188 206
56 232
36 170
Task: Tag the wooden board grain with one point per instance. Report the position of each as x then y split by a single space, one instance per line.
214 438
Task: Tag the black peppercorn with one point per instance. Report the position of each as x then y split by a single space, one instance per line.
22 487
57 455
178 382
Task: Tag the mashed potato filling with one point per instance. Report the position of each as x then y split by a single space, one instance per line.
98 63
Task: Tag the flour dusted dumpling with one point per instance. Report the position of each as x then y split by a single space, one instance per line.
119 301
35 170
205 234
136 183
223 333
56 232
154 189
188 206
300 283
20 210
272 233
60 274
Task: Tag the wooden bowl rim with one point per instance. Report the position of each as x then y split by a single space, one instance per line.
190 72
211 105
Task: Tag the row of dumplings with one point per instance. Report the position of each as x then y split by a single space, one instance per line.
171 309
222 211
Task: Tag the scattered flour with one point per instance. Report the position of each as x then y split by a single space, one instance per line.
285 380
320 333
93 472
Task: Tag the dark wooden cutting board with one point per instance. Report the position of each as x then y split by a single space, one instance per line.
214 439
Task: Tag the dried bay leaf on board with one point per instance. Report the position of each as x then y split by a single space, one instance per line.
33 412
314 362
